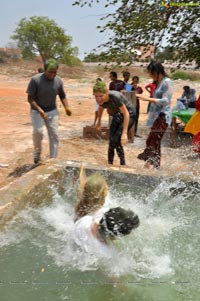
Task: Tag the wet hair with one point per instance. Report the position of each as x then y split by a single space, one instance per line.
92 194
114 74
51 64
118 222
100 87
156 68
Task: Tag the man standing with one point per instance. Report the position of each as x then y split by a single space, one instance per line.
115 84
42 91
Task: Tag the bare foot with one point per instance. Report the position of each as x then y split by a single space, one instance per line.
147 165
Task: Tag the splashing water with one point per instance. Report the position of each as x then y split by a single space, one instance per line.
157 261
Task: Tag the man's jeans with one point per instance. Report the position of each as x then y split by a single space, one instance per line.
51 123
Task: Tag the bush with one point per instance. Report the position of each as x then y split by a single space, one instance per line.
185 75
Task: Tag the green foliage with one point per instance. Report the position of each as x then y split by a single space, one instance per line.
92 57
185 75
142 22
41 35
167 53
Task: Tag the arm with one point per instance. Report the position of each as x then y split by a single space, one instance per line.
166 89
36 107
100 112
146 98
124 111
63 99
32 96
66 106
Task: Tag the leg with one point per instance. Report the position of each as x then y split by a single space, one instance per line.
52 128
173 132
111 153
111 147
131 128
137 115
119 147
115 139
38 124
152 152
120 152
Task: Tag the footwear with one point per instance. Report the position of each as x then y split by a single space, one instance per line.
36 158
138 136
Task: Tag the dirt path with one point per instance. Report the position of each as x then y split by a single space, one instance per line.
16 130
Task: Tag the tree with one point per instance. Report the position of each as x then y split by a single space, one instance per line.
166 53
151 22
93 57
41 35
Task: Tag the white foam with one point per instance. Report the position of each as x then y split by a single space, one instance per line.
145 253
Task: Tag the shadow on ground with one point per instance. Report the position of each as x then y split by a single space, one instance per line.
20 170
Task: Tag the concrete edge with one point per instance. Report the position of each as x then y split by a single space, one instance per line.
16 195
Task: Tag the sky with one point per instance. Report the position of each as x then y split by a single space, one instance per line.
79 23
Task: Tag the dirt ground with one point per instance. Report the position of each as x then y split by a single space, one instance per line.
16 130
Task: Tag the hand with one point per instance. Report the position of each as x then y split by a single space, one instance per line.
42 114
68 111
124 139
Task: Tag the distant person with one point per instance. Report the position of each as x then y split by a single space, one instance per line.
138 90
179 106
123 118
193 127
97 106
159 117
150 88
96 237
188 97
126 76
115 84
42 91
40 70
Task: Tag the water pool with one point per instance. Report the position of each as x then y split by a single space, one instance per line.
159 261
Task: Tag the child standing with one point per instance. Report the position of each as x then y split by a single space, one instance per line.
150 88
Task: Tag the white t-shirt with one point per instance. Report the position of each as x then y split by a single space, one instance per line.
87 241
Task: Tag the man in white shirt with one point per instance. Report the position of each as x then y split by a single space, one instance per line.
95 237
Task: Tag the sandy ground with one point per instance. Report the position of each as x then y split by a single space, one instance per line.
16 131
